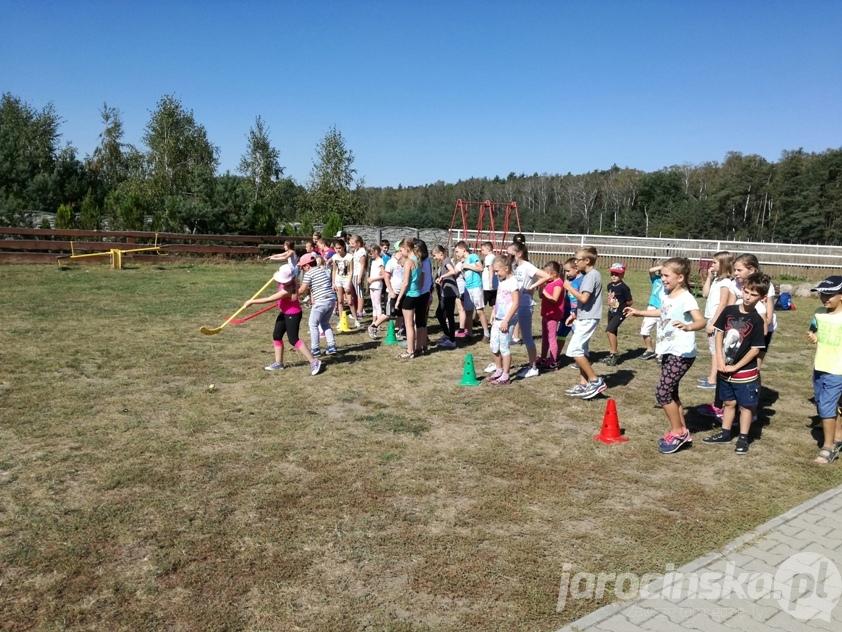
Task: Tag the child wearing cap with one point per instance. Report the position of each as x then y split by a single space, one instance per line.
826 333
288 321
619 297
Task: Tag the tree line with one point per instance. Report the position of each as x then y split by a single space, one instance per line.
172 183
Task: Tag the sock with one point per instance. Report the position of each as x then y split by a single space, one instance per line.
504 377
744 437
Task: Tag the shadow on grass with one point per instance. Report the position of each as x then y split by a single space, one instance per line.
623 377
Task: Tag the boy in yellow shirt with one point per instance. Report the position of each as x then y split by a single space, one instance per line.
826 333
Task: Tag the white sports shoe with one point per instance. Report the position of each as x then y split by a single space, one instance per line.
490 368
530 371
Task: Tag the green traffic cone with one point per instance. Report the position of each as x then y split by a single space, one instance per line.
469 376
391 339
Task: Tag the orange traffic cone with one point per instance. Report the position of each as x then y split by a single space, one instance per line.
343 323
610 432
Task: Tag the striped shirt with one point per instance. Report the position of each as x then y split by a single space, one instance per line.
318 280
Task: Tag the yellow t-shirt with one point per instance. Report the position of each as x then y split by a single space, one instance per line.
829 347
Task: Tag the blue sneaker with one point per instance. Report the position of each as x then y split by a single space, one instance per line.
331 350
316 352
275 366
672 442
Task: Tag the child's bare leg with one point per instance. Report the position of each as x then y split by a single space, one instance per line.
484 322
469 320
340 299
279 351
498 361
507 363
674 416
303 350
586 371
746 415
647 340
729 411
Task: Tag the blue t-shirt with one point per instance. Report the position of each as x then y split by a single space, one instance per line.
657 287
472 279
576 283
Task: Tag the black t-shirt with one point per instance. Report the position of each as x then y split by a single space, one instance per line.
619 295
741 332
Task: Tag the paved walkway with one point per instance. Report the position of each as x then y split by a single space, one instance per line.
784 575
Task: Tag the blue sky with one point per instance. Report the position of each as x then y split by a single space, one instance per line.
427 91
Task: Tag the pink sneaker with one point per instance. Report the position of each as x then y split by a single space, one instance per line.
709 410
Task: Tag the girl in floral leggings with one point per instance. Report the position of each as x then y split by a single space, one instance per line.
678 318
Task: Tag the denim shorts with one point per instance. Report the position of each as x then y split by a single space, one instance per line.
746 394
827 388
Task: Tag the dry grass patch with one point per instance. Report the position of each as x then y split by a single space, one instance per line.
379 495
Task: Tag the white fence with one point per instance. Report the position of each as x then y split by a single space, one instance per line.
640 253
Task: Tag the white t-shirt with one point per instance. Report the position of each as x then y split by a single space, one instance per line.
737 289
504 298
359 253
489 279
712 303
395 269
669 339
376 271
342 265
525 274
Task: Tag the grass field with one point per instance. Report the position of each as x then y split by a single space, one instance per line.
379 495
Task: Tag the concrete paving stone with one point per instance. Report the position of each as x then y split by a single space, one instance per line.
762 610
617 623
638 615
660 623
810 516
765 543
746 623
785 621
717 612
790 530
816 529
701 621
667 608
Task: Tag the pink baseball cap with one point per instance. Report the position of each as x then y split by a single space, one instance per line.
284 275
617 268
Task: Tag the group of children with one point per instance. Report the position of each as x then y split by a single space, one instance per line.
739 319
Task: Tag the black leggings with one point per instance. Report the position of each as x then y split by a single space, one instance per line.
288 324
673 368
445 315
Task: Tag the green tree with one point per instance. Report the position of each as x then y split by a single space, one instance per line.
110 159
260 164
331 179
332 226
64 217
28 155
90 216
181 160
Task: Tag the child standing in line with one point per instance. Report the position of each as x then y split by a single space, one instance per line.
342 262
649 322
472 300
678 317
375 287
716 290
446 289
358 278
619 298
410 293
826 333
571 273
552 315
528 278
316 283
739 339
288 321
392 279
422 311
505 316
489 281
587 316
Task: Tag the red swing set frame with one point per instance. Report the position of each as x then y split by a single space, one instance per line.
485 213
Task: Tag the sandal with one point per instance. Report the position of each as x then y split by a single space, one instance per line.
406 355
837 447
825 456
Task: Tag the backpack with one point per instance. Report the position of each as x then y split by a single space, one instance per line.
784 302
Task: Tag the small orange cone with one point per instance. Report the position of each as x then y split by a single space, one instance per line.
610 432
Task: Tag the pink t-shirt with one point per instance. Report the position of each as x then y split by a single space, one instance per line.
551 309
288 305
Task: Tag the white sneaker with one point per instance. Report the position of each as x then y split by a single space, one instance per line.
530 371
275 366
315 367
490 368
